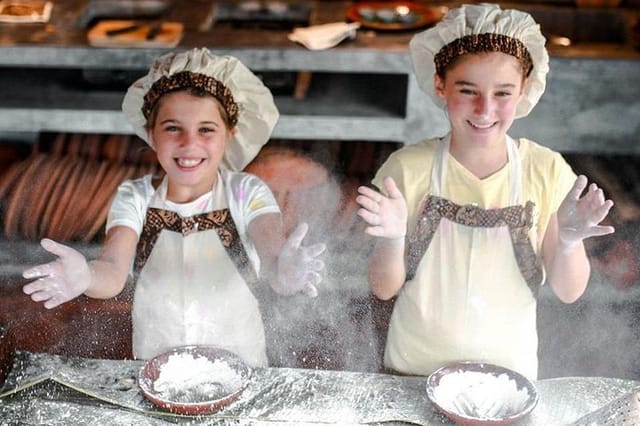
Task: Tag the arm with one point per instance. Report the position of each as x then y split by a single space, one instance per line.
386 218
563 251
289 267
70 275
267 234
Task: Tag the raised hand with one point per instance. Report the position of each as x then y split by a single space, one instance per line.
385 215
61 280
579 216
298 267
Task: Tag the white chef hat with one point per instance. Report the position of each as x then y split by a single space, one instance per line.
247 101
482 28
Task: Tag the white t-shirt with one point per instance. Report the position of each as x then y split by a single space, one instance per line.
246 196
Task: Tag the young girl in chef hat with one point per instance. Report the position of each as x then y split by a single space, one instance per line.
470 225
199 240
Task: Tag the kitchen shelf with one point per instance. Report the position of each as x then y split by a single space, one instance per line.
590 105
353 106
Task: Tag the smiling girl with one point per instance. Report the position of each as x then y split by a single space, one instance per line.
203 242
469 226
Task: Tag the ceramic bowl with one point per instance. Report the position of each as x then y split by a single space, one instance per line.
194 380
476 393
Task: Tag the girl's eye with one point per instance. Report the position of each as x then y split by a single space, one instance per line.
503 94
171 128
467 92
207 130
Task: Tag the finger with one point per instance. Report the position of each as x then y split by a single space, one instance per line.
56 248
392 188
312 278
578 187
598 231
368 203
310 290
595 195
370 218
43 295
54 302
315 265
369 193
603 210
298 234
38 285
599 196
39 271
315 249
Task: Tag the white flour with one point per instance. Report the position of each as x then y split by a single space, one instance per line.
188 379
480 395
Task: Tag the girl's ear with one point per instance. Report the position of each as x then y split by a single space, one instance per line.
150 137
438 84
523 87
232 133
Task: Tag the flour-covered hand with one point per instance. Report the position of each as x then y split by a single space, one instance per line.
385 215
579 216
61 280
299 269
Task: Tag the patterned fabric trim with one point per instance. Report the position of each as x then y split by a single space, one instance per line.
487 42
158 219
186 79
519 219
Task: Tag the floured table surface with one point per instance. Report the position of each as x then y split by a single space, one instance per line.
50 389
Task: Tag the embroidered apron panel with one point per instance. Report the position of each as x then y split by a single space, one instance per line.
518 219
219 220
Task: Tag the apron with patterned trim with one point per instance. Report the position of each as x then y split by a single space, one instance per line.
472 279
195 285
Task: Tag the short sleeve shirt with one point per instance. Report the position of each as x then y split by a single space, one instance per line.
246 196
546 180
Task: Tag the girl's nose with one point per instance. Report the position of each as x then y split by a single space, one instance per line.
186 139
483 106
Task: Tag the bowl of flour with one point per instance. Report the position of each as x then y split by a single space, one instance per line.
193 380
476 393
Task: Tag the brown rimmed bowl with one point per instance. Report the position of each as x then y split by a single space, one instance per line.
472 417
151 370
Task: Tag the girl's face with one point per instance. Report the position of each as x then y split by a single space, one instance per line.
190 136
481 92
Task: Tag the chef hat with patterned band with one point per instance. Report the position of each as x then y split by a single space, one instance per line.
246 100
482 28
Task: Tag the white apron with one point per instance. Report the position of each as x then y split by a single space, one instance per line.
472 296
192 285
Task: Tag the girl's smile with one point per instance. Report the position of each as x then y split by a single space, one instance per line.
188 163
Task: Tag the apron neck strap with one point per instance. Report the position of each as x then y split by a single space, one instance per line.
439 169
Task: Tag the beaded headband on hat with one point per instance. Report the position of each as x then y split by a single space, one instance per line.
477 28
486 42
188 79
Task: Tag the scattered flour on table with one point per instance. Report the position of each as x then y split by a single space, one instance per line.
188 379
480 395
